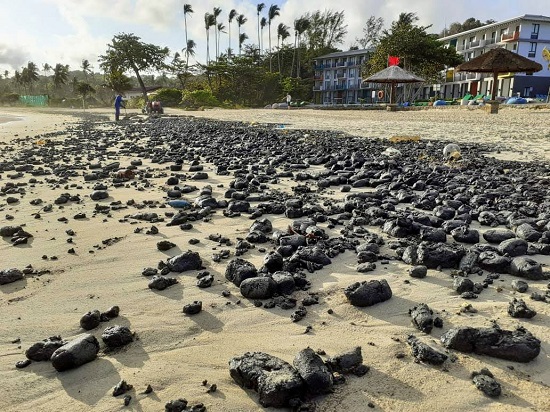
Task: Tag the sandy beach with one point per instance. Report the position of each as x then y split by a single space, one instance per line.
175 353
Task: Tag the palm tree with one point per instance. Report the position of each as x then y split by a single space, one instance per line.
86 68
60 75
242 38
282 35
217 12
7 74
221 27
263 23
208 22
271 14
46 68
31 74
232 15
300 26
240 21
189 51
259 9
18 80
187 9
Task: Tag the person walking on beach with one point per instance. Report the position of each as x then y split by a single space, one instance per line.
118 104
288 100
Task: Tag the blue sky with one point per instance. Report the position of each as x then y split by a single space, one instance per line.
67 31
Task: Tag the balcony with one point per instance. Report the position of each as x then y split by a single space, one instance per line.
341 87
318 77
474 43
510 36
341 75
534 36
340 64
317 88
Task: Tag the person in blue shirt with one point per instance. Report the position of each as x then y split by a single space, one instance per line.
118 104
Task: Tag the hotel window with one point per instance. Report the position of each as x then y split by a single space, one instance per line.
493 35
532 50
535 31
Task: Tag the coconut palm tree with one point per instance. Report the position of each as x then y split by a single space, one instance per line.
31 74
17 80
216 12
232 15
300 26
282 35
240 21
60 75
221 27
242 38
209 21
263 24
187 9
46 68
259 8
271 14
86 68
189 51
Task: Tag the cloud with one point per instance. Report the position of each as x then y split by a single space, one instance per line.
12 56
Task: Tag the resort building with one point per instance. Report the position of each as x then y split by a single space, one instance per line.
337 78
527 35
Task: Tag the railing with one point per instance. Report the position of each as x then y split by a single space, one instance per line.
534 36
474 43
317 88
317 77
510 37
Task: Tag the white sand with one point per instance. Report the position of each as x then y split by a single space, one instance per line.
175 353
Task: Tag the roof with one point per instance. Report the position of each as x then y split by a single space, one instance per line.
530 17
393 74
500 60
345 54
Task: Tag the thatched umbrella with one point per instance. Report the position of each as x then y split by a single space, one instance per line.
393 75
499 61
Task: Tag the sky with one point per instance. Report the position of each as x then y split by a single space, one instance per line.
68 31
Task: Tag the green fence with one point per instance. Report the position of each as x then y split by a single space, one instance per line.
40 100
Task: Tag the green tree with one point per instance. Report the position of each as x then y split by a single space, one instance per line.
240 21
469 24
86 68
232 15
263 24
371 32
187 9
259 8
221 29
116 80
209 21
60 75
420 52
216 12
326 29
128 53
83 90
282 35
273 12
300 26
242 38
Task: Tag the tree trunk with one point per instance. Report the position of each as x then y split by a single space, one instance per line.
141 84
270 55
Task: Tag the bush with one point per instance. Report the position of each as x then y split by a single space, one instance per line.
135 103
9 98
168 97
199 98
